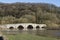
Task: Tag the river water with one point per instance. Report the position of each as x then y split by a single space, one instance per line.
49 33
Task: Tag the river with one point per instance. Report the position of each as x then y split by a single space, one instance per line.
49 33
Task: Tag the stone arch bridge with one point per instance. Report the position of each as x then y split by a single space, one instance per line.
24 26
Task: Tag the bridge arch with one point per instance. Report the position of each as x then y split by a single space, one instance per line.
11 27
20 27
29 27
37 27
43 27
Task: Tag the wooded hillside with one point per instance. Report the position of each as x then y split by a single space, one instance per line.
29 13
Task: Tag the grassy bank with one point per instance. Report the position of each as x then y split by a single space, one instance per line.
26 36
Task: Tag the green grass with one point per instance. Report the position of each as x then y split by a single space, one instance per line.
25 36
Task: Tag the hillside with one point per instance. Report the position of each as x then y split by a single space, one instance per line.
30 13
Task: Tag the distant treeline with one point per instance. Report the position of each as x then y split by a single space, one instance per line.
29 13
